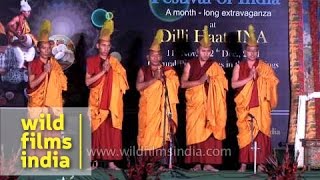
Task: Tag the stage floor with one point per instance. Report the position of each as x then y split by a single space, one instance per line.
103 174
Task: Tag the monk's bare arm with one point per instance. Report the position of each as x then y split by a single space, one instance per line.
91 79
12 25
140 84
185 83
235 82
34 82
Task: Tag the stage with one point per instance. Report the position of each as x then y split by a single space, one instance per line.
104 174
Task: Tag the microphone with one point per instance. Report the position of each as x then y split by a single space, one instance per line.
163 75
251 116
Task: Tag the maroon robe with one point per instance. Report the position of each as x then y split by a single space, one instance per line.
36 68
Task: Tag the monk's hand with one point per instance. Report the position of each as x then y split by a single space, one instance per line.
16 33
253 73
20 38
106 66
47 68
204 78
158 74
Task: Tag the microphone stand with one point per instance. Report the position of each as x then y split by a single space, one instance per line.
167 117
171 134
254 146
164 159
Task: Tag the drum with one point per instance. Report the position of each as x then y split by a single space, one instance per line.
24 54
24 50
63 50
27 41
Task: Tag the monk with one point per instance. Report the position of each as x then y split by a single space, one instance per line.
158 86
107 81
256 86
206 112
46 83
46 79
18 25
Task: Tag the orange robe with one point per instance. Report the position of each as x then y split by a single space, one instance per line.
152 108
106 108
206 113
258 97
47 96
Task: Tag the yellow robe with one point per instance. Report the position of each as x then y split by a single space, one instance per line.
119 87
207 114
151 112
27 30
49 93
268 98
